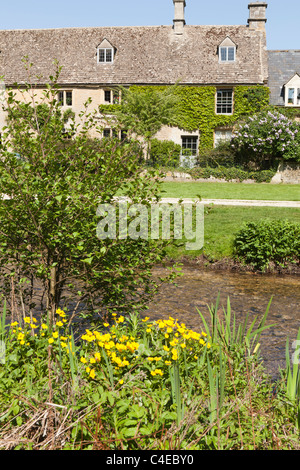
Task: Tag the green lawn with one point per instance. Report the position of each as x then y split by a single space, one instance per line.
221 223
256 191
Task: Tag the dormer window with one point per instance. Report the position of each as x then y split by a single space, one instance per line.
292 91
227 51
105 53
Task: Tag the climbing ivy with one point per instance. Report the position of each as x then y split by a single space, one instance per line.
195 109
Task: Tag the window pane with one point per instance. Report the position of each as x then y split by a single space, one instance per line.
108 55
106 133
69 98
223 54
101 55
107 96
231 54
224 102
189 145
60 98
291 95
298 96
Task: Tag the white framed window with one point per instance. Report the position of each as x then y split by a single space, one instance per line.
111 97
222 135
227 53
65 97
189 145
292 91
105 55
293 96
224 101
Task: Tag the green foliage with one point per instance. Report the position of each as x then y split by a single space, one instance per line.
144 111
268 242
233 173
137 384
194 108
49 217
265 138
165 153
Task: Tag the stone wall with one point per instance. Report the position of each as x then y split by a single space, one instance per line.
288 172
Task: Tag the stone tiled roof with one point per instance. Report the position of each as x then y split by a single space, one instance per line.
283 65
153 55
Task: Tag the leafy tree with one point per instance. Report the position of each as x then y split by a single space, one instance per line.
50 255
144 111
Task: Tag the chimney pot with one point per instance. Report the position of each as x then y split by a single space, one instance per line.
179 20
257 15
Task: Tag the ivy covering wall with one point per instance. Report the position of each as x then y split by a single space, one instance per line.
196 108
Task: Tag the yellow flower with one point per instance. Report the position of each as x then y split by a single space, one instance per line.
88 370
121 382
208 345
63 344
60 312
148 330
22 342
55 334
92 374
14 324
183 345
93 360
166 348
27 320
98 357
50 340
20 336
168 363
44 326
33 326
157 372
174 354
106 325
145 319
83 360
59 323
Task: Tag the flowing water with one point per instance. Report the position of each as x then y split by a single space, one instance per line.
197 288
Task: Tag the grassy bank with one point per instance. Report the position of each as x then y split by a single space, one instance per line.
255 191
221 223
135 384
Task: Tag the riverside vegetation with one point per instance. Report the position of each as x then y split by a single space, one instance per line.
104 377
136 384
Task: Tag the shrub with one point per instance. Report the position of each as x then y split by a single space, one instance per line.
222 155
165 153
261 243
233 173
266 138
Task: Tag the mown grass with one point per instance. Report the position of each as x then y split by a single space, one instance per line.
221 223
255 191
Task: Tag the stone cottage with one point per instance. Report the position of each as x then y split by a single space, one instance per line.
223 61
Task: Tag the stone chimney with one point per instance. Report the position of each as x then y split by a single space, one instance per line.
257 16
179 20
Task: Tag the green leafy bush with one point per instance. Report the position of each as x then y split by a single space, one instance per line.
165 153
233 173
260 244
266 138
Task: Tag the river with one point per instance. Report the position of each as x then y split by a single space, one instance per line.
197 288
